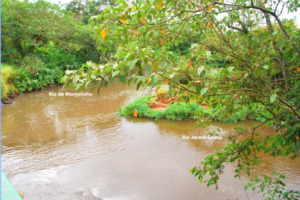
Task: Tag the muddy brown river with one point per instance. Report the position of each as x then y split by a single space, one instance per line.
61 148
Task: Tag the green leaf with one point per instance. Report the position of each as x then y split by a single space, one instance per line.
98 82
70 85
238 83
149 68
154 80
214 90
280 43
106 78
156 34
122 55
198 89
104 49
165 87
203 91
105 84
115 73
138 85
142 28
193 45
92 88
75 80
202 74
256 73
199 70
230 69
172 75
87 83
132 63
112 79
78 85
273 98
92 23
68 72
129 57
112 26
141 78
123 79
163 64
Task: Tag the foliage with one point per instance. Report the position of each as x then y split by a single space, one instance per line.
192 110
54 57
32 76
7 74
32 64
275 189
175 111
261 65
54 36
44 46
88 8
27 81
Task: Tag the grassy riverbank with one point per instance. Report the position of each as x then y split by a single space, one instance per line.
32 75
8 73
193 111
35 52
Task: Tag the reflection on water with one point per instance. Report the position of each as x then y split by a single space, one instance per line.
79 148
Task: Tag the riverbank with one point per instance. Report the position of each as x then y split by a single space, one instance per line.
16 80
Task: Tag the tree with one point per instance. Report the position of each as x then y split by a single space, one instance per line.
54 29
88 8
262 67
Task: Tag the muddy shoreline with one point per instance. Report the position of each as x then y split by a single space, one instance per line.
13 96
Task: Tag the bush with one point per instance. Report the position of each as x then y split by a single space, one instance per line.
32 64
26 81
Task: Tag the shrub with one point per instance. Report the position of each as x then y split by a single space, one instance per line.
32 64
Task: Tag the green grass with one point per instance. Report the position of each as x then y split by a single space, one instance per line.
193 111
7 74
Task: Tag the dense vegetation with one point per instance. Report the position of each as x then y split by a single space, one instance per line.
191 111
233 62
39 41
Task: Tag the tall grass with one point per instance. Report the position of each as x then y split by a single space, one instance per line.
8 72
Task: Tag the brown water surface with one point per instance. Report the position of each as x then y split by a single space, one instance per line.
64 148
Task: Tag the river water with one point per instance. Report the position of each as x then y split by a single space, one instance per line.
61 148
